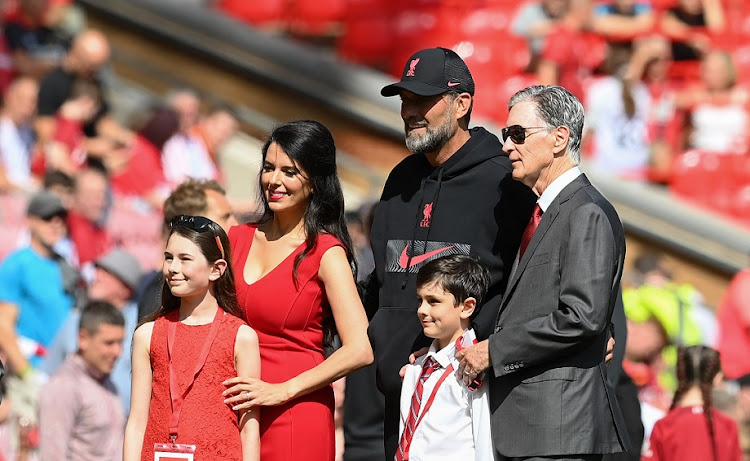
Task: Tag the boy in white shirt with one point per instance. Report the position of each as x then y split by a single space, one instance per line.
442 419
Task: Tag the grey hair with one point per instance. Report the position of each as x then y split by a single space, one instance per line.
557 107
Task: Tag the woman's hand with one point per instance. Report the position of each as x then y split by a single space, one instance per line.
251 392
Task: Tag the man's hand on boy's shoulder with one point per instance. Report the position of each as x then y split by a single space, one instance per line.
412 359
473 361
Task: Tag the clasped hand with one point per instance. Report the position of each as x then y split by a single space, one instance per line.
242 393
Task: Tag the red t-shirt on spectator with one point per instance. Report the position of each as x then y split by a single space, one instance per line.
577 54
69 133
90 240
143 173
683 435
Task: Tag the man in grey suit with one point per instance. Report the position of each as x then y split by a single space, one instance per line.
549 394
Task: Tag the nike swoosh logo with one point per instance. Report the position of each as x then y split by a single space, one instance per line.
403 260
454 83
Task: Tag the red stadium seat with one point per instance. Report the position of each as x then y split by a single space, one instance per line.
506 90
719 182
695 176
315 17
741 206
266 12
366 40
415 28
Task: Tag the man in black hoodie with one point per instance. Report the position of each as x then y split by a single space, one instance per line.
455 194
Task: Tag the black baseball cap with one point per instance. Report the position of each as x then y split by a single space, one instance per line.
45 205
431 72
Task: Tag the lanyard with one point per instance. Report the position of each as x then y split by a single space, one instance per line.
176 397
446 373
427 405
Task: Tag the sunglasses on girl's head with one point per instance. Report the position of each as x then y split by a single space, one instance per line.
198 224
517 133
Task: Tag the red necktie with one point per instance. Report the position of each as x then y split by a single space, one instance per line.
536 216
429 367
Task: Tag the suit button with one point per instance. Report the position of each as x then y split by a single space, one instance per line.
520 364
507 368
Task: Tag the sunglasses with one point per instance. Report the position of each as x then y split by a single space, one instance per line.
517 133
198 224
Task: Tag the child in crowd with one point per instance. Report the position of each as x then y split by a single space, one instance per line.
185 350
442 419
693 429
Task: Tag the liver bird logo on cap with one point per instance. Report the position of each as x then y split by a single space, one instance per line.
412 67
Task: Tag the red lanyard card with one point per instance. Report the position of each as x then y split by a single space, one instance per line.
174 452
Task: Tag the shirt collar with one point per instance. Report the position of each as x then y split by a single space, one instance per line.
446 354
554 189
82 365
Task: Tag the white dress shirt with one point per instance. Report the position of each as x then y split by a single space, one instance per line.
15 152
457 425
185 157
553 190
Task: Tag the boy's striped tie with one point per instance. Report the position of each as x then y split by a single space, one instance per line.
430 365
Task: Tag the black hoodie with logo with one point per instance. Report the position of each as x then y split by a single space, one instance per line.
470 204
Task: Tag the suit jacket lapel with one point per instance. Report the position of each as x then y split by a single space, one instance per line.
548 217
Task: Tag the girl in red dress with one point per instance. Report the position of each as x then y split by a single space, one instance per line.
295 284
187 348
693 429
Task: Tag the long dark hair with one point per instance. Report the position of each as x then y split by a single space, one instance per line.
698 366
224 289
310 146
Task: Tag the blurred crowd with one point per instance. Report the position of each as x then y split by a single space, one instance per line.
664 82
84 197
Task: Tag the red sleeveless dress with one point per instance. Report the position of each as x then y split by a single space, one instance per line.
205 421
288 319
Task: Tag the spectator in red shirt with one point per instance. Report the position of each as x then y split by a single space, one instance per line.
66 151
141 175
86 219
693 429
572 52
535 21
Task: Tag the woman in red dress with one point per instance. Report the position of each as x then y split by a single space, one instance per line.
295 283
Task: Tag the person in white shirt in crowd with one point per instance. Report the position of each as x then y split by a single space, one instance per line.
194 154
441 418
116 278
80 415
17 135
617 108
